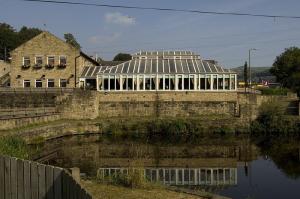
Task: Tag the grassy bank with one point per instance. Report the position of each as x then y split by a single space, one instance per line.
14 146
100 190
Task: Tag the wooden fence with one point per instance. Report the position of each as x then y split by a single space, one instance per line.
20 179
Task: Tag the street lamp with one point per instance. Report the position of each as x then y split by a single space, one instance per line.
250 79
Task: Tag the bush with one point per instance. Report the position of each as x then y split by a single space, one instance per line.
13 146
274 91
272 121
135 178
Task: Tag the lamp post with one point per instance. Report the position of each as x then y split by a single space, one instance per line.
250 79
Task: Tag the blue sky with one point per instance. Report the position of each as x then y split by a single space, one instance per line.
108 31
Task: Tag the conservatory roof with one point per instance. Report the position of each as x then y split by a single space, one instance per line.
167 62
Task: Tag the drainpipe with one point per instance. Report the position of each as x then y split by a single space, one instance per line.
75 80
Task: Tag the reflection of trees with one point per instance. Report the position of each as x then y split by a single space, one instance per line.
284 153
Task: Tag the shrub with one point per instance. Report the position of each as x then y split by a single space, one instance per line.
14 146
274 91
134 178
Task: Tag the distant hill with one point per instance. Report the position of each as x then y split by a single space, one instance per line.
257 73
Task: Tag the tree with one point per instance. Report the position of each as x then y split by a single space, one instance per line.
11 39
286 68
122 57
246 75
70 39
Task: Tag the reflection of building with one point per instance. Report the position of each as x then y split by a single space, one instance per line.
182 176
162 71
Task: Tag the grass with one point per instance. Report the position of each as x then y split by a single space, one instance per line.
14 146
100 190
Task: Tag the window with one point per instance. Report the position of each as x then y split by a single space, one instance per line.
62 83
50 83
50 60
38 83
26 61
39 60
63 60
26 83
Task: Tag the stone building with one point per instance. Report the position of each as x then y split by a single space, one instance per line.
47 61
163 71
4 73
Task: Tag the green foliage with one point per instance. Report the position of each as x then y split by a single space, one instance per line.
70 39
272 121
11 39
135 178
286 68
13 146
274 91
122 57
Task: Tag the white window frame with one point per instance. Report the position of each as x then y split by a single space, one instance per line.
24 60
35 58
59 82
36 81
48 83
26 80
48 59
60 57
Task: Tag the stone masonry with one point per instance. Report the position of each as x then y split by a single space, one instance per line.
44 45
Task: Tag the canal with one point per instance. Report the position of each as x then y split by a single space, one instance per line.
237 167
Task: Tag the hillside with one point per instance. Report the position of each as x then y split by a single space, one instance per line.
258 74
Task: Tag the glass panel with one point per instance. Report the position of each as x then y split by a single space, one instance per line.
232 82
141 82
63 60
186 175
215 82
180 82
26 83
112 83
161 175
227 79
173 175
172 82
178 65
172 65
167 82
220 82
186 83
50 60
180 178
130 83
105 79
118 85
202 83
39 60
50 83
26 61
124 83
38 83
153 83
208 82
154 66
161 83
147 83
208 176
192 82
63 83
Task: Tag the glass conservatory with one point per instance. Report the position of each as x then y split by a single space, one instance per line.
166 71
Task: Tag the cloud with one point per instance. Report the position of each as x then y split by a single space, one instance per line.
104 39
118 18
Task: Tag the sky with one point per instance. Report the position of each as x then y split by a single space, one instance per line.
108 31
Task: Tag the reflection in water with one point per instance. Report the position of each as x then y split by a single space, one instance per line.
181 176
232 167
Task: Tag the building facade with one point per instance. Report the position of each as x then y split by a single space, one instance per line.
46 61
163 71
